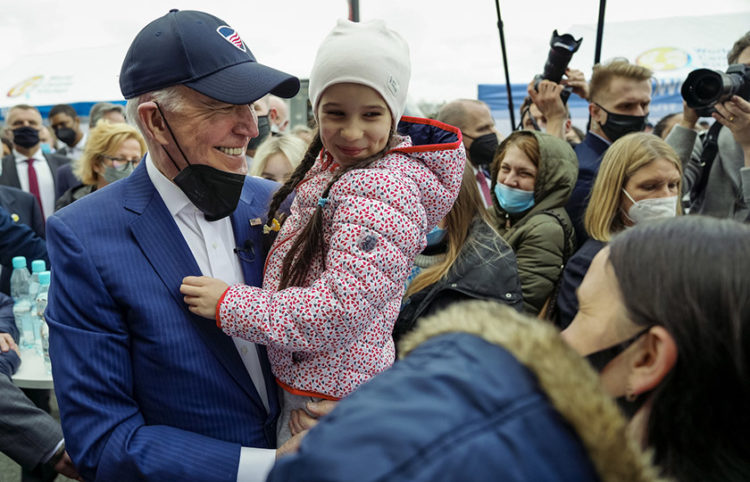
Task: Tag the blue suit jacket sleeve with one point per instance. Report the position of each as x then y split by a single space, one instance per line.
9 361
106 434
17 239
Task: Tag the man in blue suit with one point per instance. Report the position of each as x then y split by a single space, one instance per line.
148 391
619 99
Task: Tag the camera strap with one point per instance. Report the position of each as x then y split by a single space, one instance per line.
710 149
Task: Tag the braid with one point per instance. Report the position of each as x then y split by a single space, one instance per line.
307 246
296 177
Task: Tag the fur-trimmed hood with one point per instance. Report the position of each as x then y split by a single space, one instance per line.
571 385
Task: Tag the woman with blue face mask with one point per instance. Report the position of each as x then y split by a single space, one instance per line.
639 180
111 153
533 176
465 258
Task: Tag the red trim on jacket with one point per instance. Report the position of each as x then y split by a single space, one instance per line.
218 307
303 393
431 147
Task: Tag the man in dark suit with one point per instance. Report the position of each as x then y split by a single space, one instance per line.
23 209
28 435
146 389
67 126
28 168
619 99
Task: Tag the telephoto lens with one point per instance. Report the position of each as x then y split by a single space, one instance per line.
562 48
704 88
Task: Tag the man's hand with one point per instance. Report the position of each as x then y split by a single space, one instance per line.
291 446
689 117
65 466
735 115
301 420
7 343
577 81
202 294
547 99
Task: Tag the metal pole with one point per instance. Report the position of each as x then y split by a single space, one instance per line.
600 32
505 65
354 10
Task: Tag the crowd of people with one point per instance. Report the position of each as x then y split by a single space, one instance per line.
376 296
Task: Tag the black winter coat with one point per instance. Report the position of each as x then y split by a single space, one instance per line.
485 269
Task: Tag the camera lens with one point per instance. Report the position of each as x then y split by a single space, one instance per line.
707 89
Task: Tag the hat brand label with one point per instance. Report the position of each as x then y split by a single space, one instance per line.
393 85
231 36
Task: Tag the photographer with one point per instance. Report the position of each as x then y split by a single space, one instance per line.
544 109
726 191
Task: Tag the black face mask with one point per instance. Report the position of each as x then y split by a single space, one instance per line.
26 136
618 125
215 192
483 149
67 135
264 128
600 359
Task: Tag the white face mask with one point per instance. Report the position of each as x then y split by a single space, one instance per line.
651 209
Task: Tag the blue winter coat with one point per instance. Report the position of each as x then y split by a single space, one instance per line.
466 410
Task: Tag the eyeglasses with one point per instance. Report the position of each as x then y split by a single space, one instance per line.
121 163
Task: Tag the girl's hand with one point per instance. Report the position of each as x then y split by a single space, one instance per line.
202 294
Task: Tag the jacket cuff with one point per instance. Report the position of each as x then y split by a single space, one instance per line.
218 307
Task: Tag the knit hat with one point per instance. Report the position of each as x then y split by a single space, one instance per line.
363 53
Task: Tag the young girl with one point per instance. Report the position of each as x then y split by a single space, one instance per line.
365 199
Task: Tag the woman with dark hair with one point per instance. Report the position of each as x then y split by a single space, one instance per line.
665 318
465 259
533 175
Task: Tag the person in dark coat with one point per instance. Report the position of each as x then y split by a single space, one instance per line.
465 258
665 319
28 167
639 180
473 400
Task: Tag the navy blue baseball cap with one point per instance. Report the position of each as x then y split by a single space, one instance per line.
202 52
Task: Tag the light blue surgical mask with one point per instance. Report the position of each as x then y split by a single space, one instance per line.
435 236
513 200
46 148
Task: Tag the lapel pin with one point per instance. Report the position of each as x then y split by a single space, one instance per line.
255 222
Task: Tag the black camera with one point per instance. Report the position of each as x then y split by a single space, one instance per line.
562 48
704 88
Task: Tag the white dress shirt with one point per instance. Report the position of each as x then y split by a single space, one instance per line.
212 245
44 178
76 151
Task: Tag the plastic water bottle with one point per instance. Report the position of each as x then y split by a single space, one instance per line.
37 266
41 305
19 290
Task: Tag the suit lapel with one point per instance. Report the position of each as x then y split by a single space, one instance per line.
9 175
9 202
160 239
247 223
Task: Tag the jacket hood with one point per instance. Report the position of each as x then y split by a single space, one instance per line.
556 176
571 385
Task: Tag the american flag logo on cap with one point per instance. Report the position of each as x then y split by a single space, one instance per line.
231 36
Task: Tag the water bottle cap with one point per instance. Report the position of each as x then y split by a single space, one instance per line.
19 262
38 265
44 278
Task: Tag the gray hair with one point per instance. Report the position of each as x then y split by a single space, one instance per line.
170 98
99 109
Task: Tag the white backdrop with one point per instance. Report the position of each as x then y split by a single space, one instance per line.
53 52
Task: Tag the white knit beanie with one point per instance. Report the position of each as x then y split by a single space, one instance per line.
363 53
